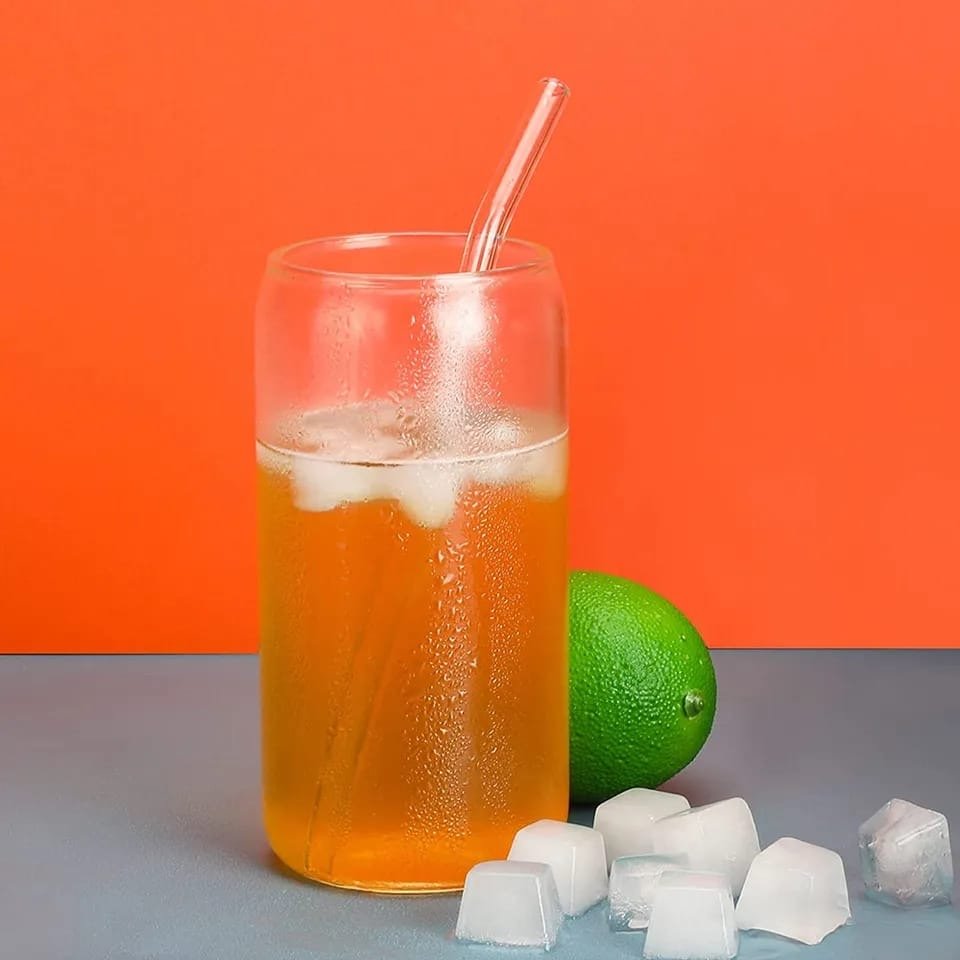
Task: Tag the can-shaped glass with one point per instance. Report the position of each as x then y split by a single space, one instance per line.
412 476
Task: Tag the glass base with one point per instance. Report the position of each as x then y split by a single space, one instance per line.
365 885
398 861
387 888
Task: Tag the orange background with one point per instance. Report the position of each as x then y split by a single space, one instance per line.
755 207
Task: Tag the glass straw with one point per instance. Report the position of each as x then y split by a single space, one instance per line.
499 203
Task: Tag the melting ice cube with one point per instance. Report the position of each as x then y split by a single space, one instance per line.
320 485
905 855
633 881
796 890
428 492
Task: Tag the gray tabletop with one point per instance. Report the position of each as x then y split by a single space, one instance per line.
130 821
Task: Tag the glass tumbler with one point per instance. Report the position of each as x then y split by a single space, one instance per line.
412 472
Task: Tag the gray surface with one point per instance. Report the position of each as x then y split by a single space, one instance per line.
129 809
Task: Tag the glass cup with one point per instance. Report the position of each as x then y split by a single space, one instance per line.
412 466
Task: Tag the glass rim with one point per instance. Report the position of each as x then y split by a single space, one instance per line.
283 258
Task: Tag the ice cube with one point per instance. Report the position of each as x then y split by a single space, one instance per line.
796 890
272 460
320 485
719 838
905 856
574 853
545 469
496 470
692 918
510 903
626 820
632 883
503 433
428 492
351 434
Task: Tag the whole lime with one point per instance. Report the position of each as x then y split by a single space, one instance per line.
642 687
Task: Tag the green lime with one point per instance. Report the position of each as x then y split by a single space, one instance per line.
642 687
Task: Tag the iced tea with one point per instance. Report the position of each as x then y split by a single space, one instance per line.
414 670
